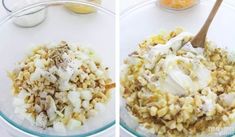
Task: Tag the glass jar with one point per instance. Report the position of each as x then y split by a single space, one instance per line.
178 4
82 9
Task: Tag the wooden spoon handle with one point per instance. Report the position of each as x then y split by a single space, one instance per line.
200 38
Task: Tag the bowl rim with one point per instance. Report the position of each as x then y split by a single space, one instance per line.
125 13
53 3
9 10
48 3
35 133
139 5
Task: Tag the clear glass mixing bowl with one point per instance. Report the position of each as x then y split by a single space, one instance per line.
143 20
94 30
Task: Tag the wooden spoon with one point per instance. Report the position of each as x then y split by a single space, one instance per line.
200 38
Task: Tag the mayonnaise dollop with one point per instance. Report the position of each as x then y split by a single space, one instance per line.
183 74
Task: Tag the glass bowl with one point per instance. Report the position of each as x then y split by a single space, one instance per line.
29 18
146 19
96 30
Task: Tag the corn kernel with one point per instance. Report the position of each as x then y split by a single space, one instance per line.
162 112
153 111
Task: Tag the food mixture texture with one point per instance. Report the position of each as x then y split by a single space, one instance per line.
175 90
60 86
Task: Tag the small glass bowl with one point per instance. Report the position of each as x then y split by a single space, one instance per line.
29 18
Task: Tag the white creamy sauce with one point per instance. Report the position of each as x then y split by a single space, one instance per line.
208 105
188 47
177 81
209 101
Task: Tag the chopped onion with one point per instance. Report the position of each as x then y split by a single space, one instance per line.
86 94
59 127
74 98
74 124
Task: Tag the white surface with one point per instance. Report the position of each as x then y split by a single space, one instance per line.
3 131
109 4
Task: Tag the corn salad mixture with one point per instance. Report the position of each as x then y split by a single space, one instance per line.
178 4
175 90
60 86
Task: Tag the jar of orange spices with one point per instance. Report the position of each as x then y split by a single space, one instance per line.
178 4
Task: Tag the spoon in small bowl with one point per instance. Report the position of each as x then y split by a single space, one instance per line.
200 39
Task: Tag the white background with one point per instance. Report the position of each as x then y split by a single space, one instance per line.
109 4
